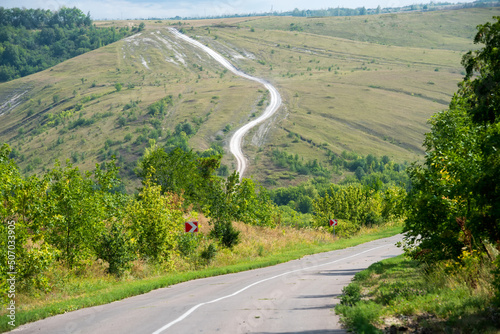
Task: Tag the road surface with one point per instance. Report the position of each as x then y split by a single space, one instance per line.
293 297
274 101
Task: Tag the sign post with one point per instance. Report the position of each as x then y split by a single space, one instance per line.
333 222
191 227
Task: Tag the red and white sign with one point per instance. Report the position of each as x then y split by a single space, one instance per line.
333 222
191 227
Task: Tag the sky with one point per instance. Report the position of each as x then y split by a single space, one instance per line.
131 9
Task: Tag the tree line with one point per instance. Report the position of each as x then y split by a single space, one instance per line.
68 217
454 203
71 217
360 11
32 40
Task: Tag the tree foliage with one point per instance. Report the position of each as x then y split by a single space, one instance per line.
32 40
56 217
454 203
357 205
155 219
193 176
178 171
22 245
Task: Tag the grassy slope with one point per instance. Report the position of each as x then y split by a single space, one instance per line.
399 292
343 89
447 29
123 62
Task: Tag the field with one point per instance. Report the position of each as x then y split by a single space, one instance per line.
356 84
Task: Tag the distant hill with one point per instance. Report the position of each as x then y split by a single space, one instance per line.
32 40
364 84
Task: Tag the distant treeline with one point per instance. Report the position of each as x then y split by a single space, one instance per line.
32 40
339 11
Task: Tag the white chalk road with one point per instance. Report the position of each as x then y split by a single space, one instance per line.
235 145
294 297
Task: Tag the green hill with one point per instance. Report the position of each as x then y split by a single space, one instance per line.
353 84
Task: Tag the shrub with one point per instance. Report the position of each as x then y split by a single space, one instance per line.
346 228
209 253
187 243
115 248
226 234
155 219
351 294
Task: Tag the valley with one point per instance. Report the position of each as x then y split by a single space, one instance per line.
195 148
335 89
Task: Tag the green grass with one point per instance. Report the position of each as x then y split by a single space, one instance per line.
402 293
445 29
337 87
85 292
345 86
336 92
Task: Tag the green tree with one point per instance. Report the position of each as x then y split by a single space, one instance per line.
20 233
442 189
75 206
179 171
455 197
221 208
353 203
481 86
116 247
251 205
481 94
155 219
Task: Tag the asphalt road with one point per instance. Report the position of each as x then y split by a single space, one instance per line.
294 297
274 100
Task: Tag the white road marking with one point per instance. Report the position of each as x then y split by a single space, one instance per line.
274 102
194 308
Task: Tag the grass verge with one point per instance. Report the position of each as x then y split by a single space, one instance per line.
92 291
400 295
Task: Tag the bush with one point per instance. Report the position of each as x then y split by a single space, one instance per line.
226 234
115 248
372 218
209 253
155 219
187 243
346 228
351 294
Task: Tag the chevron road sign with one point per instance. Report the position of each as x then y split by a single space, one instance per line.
191 227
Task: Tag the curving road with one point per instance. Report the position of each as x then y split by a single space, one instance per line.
295 297
274 103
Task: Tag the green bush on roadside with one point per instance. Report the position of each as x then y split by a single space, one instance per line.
351 294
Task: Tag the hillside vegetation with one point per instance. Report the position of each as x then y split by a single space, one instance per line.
156 115
335 92
452 223
32 40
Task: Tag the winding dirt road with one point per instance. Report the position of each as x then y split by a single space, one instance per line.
274 102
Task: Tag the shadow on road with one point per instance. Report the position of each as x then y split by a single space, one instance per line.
346 272
336 295
319 331
322 307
